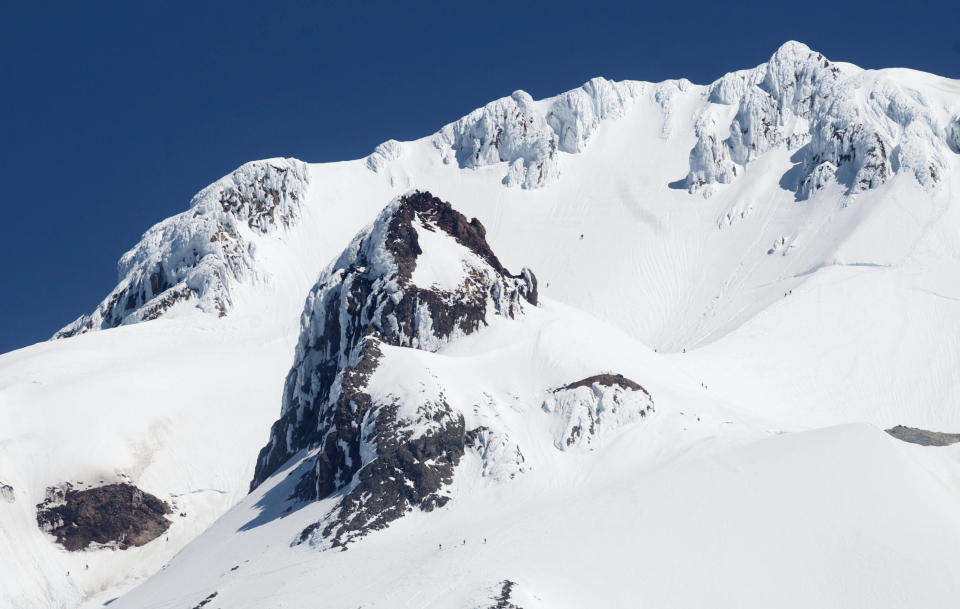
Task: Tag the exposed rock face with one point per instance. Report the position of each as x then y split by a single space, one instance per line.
504 600
419 276
7 493
923 437
206 601
844 125
117 514
588 408
200 254
818 179
509 129
606 380
528 134
501 458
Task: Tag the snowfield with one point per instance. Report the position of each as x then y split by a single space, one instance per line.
772 257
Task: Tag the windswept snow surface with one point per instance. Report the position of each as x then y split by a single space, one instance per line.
802 297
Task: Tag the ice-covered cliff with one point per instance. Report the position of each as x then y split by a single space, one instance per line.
198 256
844 124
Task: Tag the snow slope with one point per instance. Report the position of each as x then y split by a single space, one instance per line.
774 252
838 517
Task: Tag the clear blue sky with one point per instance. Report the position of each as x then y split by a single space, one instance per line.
115 114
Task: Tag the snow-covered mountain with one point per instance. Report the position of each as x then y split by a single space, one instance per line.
419 276
322 382
197 256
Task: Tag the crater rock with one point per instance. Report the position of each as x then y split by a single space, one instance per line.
120 515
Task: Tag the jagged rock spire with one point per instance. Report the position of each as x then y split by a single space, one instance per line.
419 276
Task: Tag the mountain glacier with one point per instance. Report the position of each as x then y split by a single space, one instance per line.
330 381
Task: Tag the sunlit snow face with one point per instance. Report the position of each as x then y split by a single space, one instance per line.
444 262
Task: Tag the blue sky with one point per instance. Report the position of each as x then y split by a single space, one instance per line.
114 114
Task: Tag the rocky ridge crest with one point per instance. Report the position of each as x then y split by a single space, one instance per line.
845 125
202 253
382 456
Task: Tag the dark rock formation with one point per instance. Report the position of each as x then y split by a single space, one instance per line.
206 601
197 255
589 406
608 380
923 436
7 493
119 514
381 463
503 600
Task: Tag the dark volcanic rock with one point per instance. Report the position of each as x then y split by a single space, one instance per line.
504 599
206 601
368 298
923 436
7 493
608 380
120 514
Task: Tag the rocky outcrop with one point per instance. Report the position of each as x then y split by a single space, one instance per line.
118 515
587 409
510 130
199 255
527 134
7 493
504 599
924 437
206 601
845 126
419 276
500 457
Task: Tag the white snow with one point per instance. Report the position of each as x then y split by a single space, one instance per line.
444 262
762 479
